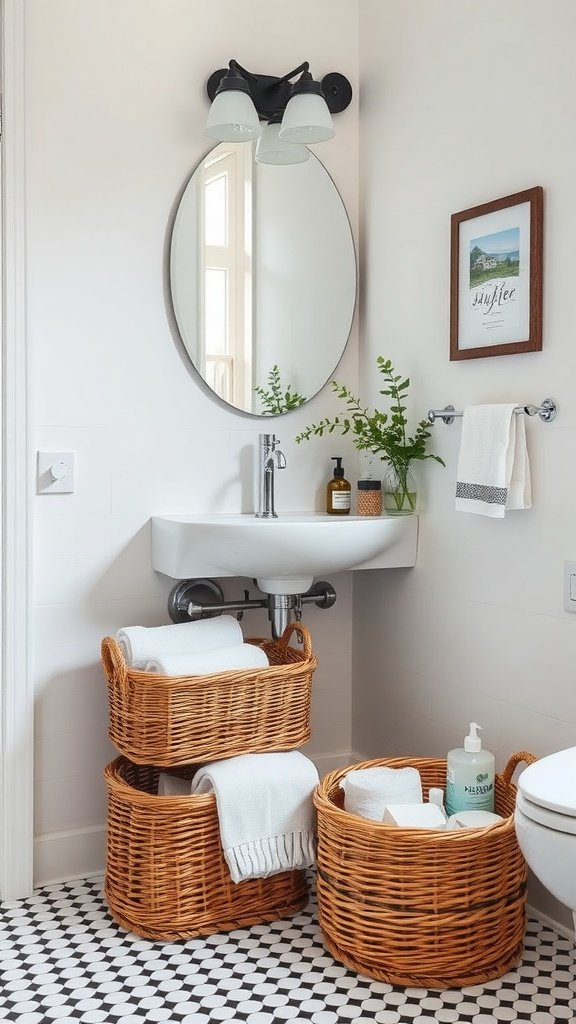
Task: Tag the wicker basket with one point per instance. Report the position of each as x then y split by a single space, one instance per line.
178 720
166 877
424 908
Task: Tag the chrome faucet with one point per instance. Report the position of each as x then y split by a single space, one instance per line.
270 457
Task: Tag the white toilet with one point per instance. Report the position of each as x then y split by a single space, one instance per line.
545 820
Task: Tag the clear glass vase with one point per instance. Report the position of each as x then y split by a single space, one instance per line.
400 494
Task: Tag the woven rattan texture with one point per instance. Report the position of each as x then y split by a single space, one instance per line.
166 877
179 720
426 908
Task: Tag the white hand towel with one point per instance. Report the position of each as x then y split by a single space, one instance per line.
221 659
493 468
367 791
141 643
265 811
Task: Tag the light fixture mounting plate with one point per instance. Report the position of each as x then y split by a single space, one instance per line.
337 92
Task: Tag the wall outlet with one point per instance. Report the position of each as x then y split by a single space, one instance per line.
55 472
570 586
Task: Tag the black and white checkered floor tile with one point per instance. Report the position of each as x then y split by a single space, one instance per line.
63 959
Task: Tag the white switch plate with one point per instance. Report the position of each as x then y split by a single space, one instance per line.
55 472
570 586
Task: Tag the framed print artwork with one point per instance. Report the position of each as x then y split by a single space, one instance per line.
496 277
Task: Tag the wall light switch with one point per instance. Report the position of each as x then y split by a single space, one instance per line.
570 586
55 472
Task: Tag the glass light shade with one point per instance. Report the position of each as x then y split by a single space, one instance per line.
306 120
232 117
270 149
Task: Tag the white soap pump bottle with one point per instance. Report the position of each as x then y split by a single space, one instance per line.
470 776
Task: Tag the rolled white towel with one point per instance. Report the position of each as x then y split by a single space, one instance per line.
141 643
367 791
220 659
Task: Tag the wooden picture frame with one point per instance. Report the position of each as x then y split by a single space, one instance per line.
496 277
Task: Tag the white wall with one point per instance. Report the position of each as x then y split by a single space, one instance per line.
463 103
115 106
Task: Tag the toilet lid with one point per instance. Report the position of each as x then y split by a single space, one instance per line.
551 819
551 782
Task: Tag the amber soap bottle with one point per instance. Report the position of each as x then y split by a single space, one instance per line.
338 492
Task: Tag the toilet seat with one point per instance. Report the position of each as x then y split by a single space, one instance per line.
549 785
543 816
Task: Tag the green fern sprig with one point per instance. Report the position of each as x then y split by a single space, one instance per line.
383 434
276 400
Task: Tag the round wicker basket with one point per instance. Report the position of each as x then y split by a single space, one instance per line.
421 907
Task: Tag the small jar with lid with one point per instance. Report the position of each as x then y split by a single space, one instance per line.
369 497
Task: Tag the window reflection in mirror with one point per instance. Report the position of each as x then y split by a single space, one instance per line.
262 277
225 265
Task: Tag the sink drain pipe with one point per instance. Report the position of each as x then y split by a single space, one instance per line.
195 599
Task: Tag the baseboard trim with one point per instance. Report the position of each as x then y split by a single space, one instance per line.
550 922
65 856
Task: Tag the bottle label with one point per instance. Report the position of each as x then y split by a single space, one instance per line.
474 792
341 499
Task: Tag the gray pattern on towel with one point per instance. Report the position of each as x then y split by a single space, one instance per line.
481 492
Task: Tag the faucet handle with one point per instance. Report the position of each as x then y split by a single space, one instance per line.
269 441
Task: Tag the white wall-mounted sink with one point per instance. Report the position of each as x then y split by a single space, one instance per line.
284 555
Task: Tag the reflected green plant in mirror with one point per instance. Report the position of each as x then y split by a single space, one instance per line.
278 398
384 434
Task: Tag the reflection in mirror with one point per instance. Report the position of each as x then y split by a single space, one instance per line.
277 397
262 278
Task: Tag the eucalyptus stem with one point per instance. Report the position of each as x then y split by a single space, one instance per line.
384 434
278 397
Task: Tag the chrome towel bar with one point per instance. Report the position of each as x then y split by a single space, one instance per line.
546 412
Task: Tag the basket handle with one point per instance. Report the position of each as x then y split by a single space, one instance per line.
114 663
303 637
513 763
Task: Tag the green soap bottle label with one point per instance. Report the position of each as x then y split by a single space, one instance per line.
472 791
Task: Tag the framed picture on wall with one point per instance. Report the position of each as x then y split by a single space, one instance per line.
496 277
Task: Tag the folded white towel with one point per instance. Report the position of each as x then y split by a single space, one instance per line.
367 791
172 785
493 468
265 811
201 663
141 643
414 816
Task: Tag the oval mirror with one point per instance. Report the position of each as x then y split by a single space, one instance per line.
262 278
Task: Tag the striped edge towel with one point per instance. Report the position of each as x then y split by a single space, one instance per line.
493 468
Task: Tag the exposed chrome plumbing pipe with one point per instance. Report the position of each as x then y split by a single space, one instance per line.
195 599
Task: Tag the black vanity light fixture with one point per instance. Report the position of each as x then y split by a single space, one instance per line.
296 113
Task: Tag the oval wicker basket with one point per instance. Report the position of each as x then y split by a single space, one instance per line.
425 908
178 720
166 877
